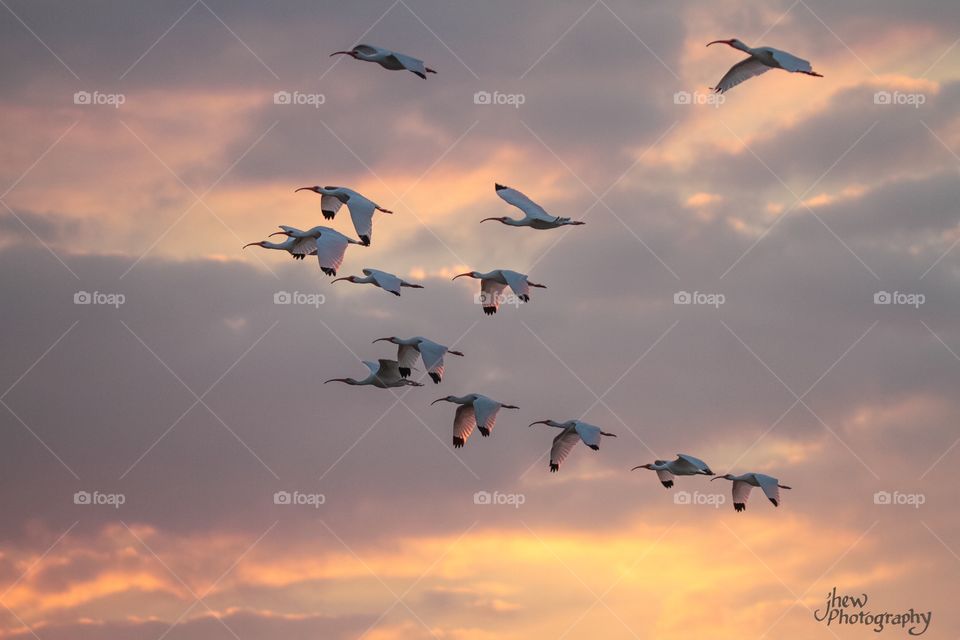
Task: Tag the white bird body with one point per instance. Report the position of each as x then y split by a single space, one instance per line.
475 410
684 465
384 374
384 280
492 284
761 60
534 216
330 245
743 483
361 208
429 351
299 248
392 60
574 431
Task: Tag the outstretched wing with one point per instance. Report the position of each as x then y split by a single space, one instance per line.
330 250
411 64
432 354
463 423
490 293
329 205
743 70
486 412
790 62
407 357
361 212
770 488
518 283
741 491
563 444
384 280
530 208
589 434
666 478
691 464
303 247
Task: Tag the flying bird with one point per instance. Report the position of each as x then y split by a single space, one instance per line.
387 59
298 248
430 351
743 483
761 60
361 208
382 279
684 465
475 410
329 245
534 216
384 374
494 282
573 432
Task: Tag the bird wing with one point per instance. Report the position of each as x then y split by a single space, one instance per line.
741 491
490 293
385 280
463 423
589 434
329 205
407 356
563 444
790 62
518 283
361 212
770 488
743 70
330 250
432 354
690 463
530 208
373 366
389 370
303 247
486 412
411 64
666 478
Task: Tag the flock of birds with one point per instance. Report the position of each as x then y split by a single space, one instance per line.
477 411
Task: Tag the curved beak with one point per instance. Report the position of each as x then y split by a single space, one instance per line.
341 53
715 478
718 42
537 422
456 353
379 339
509 406
302 188
436 401
485 219
640 467
338 280
277 233
251 244
460 276
335 380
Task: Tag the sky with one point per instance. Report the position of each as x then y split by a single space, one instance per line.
158 404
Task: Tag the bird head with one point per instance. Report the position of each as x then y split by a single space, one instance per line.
726 476
392 339
472 274
732 42
550 423
443 399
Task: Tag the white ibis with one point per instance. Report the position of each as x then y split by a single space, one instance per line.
384 374
361 208
475 410
534 216
743 483
430 351
387 59
299 248
684 465
494 282
329 244
382 279
573 432
761 60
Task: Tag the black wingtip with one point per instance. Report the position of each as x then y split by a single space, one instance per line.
775 503
525 298
457 442
554 467
365 240
404 372
483 431
328 271
489 310
739 506
667 483
435 377
594 447
328 215
499 187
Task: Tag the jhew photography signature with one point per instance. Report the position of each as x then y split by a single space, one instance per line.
848 609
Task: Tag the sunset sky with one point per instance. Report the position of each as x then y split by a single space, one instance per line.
194 399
